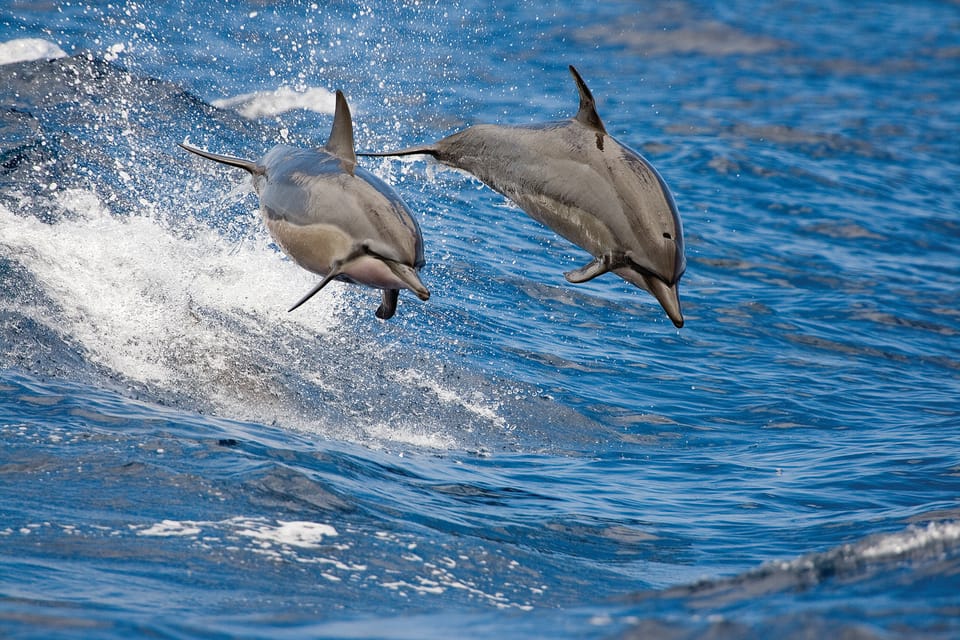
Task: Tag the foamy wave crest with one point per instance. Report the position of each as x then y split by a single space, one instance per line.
474 402
850 562
161 280
272 103
933 537
184 310
24 49
915 541
202 321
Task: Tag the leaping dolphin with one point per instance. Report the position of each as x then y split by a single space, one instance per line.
575 178
334 218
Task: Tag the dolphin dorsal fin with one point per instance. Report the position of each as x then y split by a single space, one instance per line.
587 114
340 143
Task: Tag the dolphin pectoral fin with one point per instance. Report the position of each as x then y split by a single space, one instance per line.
388 306
326 280
587 114
340 142
409 277
425 149
336 268
589 271
240 163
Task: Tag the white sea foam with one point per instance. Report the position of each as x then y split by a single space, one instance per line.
272 103
24 49
295 534
414 435
302 534
154 304
170 528
475 403
317 543
178 307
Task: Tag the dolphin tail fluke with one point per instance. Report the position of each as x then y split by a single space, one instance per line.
388 305
240 163
597 267
587 114
425 149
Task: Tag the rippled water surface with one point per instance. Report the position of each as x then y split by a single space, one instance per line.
517 456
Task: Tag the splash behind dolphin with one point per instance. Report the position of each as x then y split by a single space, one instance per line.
573 177
334 218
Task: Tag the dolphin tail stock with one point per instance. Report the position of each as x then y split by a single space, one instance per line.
587 113
240 163
425 149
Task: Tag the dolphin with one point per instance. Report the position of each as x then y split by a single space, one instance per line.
334 218
576 179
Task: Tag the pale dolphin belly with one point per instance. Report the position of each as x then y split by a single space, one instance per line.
314 246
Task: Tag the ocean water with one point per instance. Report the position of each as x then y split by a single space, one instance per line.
518 456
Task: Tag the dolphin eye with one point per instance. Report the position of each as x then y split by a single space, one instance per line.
667 236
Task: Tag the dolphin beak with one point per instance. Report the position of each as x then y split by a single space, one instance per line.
409 277
668 296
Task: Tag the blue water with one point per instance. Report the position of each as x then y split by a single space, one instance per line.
518 456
